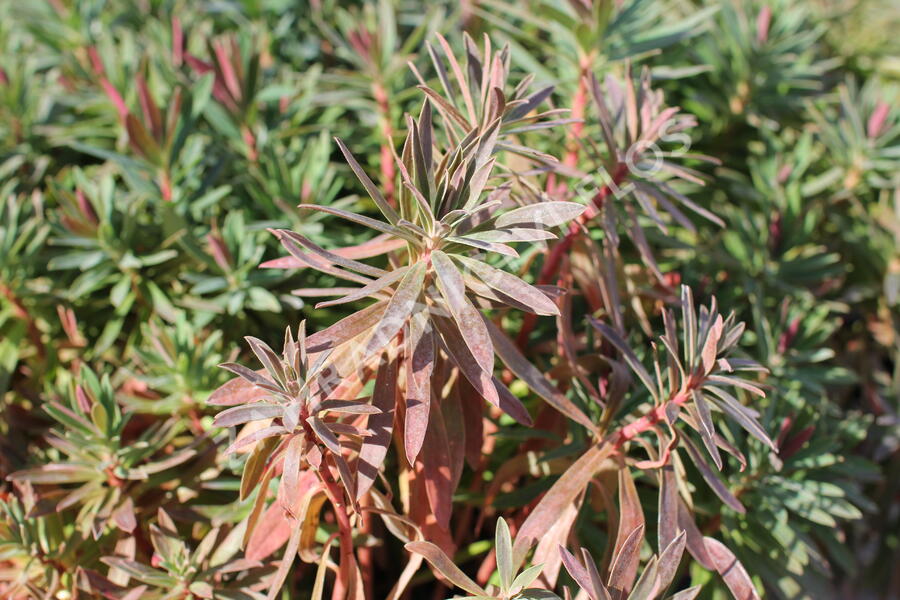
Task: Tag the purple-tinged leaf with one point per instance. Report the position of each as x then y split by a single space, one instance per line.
317 261
364 221
628 354
711 479
511 286
668 562
577 571
469 320
564 491
736 382
352 407
253 377
331 257
389 213
625 563
366 291
508 403
236 391
237 415
124 517
268 358
482 245
695 544
627 551
540 215
667 524
399 308
324 434
419 365
511 235
461 356
744 416
710 346
57 473
290 477
688 594
731 570
347 328
436 470
546 554
527 372
380 244
445 566
707 430
375 447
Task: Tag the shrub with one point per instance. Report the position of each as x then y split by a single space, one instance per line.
578 300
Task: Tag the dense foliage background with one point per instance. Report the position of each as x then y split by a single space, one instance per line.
149 150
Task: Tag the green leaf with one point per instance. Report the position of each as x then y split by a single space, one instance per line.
503 549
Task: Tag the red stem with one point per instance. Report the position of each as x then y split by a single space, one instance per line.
579 104
387 131
551 265
345 530
649 420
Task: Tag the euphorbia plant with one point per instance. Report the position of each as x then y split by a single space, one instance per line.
416 365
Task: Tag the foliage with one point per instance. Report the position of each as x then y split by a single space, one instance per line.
618 281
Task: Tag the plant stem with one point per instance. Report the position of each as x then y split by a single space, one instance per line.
345 530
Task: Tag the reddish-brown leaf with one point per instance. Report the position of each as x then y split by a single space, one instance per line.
375 446
731 570
527 372
627 550
399 308
625 563
419 364
442 564
347 328
435 461
469 320
667 525
564 492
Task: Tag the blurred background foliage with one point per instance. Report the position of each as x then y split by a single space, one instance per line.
147 146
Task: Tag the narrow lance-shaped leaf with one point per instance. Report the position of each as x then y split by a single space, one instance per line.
731 570
512 286
374 448
399 308
385 208
250 412
562 493
707 430
445 566
541 215
625 562
419 363
503 550
256 465
711 479
324 434
371 289
469 320
628 354
527 372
